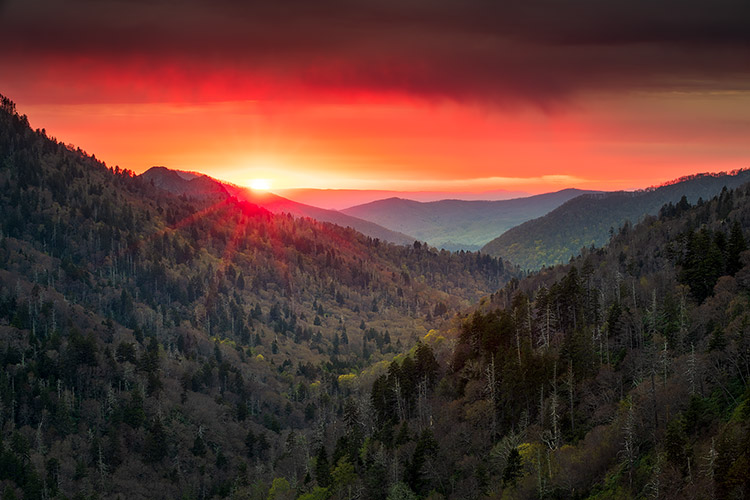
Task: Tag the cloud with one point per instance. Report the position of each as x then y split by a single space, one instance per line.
503 52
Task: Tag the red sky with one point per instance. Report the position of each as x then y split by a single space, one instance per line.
408 96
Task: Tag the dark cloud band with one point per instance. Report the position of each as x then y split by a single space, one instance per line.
500 51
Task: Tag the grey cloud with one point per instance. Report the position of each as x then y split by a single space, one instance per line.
487 50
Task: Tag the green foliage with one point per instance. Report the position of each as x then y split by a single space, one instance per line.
586 221
280 490
457 224
318 493
401 491
322 468
426 449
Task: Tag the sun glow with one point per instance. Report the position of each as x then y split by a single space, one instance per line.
260 184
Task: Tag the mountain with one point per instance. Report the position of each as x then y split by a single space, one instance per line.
590 219
204 186
184 183
620 373
339 199
195 346
155 345
459 224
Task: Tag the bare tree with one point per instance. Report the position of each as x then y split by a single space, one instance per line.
491 390
629 446
571 384
709 466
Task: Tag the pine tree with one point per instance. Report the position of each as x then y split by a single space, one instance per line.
199 445
735 247
322 468
513 469
155 448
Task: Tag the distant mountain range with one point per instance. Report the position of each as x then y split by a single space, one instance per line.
459 224
587 220
339 199
203 186
535 231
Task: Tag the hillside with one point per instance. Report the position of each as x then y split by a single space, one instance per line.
206 187
154 345
590 219
194 186
458 224
623 374
186 345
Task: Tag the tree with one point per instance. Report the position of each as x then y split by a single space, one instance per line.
426 364
676 445
199 445
735 247
513 469
133 413
322 468
400 491
155 448
343 476
427 447
280 490
250 443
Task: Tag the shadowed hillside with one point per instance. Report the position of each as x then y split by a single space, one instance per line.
205 187
589 220
458 224
188 344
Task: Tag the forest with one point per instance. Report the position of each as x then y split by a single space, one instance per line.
591 219
239 320
159 346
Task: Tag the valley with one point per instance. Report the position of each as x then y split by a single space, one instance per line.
175 337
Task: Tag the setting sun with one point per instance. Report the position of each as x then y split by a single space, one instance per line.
260 184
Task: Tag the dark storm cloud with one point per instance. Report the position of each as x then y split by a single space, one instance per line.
485 50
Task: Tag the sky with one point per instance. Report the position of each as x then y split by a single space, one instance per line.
465 96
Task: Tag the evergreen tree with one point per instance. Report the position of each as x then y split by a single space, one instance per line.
735 247
514 468
155 447
199 446
322 468
133 413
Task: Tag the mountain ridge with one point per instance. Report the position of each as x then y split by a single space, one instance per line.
340 199
459 224
205 186
589 219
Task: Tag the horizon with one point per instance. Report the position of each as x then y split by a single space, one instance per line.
449 98
342 199
490 188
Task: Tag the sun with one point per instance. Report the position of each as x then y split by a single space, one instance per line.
260 184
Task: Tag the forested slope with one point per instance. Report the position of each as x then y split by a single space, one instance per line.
201 186
623 374
168 347
194 347
459 224
590 219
